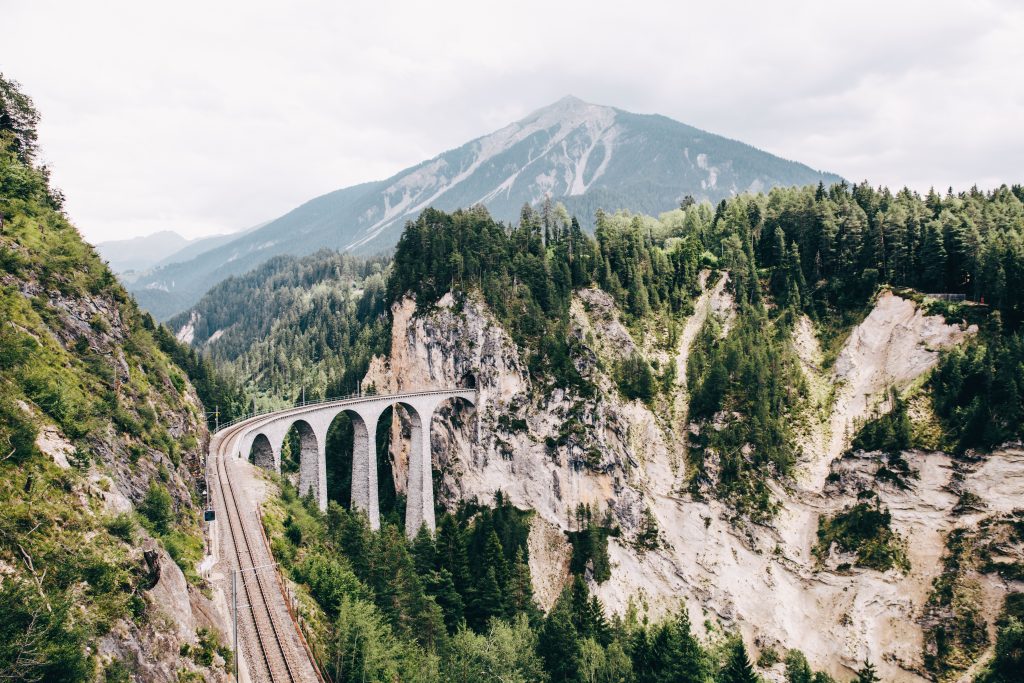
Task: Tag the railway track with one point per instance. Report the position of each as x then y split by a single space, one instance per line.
276 655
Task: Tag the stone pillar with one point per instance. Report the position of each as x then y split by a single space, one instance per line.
312 464
364 462
276 445
414 488
419 508
321 474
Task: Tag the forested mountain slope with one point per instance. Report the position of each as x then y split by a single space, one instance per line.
292 326
587 156
750 407
102 438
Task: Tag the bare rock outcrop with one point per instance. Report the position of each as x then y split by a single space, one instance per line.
551 450
157 648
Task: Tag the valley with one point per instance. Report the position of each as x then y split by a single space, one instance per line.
505 416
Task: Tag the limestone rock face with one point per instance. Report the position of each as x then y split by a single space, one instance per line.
516 442
549 451
175 611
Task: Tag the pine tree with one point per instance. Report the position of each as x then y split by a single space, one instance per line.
520 589
583 618
450 548
933 259
486 600
423 553
797 283
422 614
674 655
559 644
867 673
781 281
798 670
494 557
737 667
442 587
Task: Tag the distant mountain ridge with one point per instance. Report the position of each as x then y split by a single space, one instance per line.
132 258
140 253
584 155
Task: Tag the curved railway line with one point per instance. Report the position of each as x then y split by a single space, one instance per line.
270 638
277 655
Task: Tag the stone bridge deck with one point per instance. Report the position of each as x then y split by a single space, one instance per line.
263 436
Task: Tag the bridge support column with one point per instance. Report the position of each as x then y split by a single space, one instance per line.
277 456
312 464
419 508
364 462
265 453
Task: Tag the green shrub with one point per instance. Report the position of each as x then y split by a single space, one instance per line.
158 508
46 626
99 324
117 672
330 581
636 379
768 658
126 422
1008 663
186 550
207 645
889 433
17 432
864 528
123 527
178 382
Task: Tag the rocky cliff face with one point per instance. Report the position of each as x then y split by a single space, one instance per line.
108 469
551 451
113 419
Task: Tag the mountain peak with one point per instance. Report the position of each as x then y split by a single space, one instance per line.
564 114
565 106
569 100
584 155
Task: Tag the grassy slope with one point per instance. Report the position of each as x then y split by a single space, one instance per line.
78 364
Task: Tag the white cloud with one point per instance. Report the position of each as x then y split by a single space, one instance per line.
204 117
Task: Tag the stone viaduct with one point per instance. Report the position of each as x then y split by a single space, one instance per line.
263 436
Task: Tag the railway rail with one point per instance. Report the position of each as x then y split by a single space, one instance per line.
276 652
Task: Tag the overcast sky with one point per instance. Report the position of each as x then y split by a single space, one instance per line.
207 117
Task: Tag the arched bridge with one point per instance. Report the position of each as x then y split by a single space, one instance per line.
263 436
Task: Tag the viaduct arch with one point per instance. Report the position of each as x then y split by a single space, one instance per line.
264 435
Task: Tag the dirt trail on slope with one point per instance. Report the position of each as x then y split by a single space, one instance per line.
711 300
714 300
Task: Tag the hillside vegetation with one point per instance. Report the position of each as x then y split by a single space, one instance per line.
817 252
101 444
293 326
